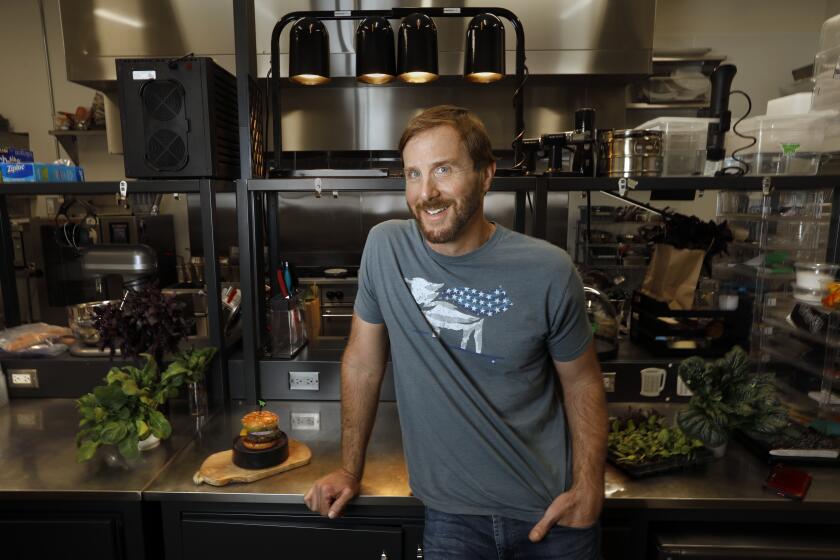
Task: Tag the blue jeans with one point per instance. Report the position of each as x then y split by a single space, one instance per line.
493 537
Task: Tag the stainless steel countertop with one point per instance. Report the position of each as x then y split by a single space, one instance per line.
38 456
37 460
732 482
385 480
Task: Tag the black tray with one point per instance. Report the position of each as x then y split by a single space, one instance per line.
701 456
762 449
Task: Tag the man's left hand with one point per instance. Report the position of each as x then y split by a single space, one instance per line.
576 508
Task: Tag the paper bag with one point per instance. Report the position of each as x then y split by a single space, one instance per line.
671 277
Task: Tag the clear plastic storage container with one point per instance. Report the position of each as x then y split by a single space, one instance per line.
826 80
683 144
785 144
830 33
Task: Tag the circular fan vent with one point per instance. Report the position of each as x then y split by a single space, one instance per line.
163 99
166 151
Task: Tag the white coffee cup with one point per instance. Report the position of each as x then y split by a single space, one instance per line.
728 302
653 381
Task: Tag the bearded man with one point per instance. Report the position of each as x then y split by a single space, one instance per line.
499 390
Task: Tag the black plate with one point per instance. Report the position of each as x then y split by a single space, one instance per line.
701 456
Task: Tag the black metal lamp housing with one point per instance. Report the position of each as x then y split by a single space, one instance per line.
375 61
484 59
417 56
309 52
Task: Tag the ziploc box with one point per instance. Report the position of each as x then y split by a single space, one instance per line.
15 155
40 173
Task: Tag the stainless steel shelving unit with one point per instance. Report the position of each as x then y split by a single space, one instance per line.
206 189
254 196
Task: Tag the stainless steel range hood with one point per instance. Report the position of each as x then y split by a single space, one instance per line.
563 37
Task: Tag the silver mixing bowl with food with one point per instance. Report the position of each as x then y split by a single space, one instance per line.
81 318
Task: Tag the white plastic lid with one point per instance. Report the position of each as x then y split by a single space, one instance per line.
676 124
795 104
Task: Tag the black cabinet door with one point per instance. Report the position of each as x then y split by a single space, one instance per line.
206 539
59 537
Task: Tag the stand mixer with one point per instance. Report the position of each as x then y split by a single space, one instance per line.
134 265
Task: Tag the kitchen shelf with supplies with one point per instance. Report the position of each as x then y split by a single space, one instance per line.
327 184
113 187
206 191
788 240
726 182
257 197
678 82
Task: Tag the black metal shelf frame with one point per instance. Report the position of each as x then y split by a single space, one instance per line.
255 196
206 189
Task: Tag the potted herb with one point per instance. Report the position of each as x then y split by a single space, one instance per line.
125 412
727 395
192 364
145 322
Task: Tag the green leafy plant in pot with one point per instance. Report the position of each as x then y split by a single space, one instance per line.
126 410
727 395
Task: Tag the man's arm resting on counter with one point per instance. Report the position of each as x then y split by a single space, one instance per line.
362 370
586 412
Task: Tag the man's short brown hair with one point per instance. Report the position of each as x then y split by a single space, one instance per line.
468 126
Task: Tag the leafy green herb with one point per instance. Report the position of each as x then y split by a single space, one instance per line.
728 395
125 409
146 321
644 438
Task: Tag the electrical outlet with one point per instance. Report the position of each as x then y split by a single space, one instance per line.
23 378
609 381
303 381
50 202
306 420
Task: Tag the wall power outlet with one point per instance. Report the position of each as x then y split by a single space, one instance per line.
609 381
306 421
23 378
304 381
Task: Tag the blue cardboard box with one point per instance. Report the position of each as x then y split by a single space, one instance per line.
40 173
15 155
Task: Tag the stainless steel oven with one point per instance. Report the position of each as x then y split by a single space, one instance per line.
337 297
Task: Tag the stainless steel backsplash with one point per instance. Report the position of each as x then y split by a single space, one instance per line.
579 53
331 231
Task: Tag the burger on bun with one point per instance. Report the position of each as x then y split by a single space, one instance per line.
260 430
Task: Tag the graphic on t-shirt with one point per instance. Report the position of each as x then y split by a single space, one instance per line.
458 309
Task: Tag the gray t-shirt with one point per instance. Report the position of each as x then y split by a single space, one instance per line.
472 338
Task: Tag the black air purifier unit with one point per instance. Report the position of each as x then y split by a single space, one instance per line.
178 118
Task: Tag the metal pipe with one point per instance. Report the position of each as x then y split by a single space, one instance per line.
49 69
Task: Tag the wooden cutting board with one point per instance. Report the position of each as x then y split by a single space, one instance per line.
218 469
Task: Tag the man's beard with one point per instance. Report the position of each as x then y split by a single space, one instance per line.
462 212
